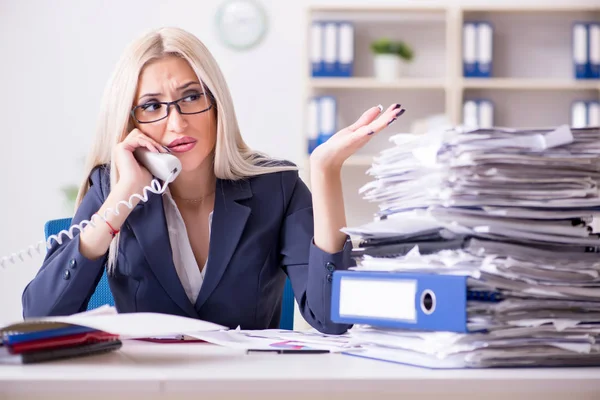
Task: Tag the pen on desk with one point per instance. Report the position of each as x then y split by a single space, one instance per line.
288 351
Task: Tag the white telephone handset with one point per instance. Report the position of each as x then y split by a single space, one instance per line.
163 166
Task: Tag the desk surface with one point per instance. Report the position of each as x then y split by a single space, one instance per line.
149 371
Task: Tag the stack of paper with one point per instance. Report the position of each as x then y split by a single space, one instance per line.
513 211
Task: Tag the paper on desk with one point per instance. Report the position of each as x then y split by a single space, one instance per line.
273 339
126 325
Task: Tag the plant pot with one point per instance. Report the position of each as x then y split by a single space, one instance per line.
388 67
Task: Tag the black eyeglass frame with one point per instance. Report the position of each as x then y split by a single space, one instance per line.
168 104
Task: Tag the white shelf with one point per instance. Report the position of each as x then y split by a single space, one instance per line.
530 84
374 84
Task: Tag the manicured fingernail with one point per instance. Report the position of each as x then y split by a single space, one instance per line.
391 121
370 133
167 149
380 108
397 106
399 113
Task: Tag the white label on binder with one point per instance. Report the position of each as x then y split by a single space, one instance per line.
330 42
346 43
580 44
484 44
327 115
313 119
469 43
594 114
578 115
470 114
316 43
486 114
595 44
389 299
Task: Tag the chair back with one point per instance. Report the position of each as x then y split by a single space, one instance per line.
102 295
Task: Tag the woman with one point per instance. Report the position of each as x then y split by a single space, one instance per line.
219 242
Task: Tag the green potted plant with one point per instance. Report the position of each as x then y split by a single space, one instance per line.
390 58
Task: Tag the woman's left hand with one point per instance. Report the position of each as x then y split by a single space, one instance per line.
332 154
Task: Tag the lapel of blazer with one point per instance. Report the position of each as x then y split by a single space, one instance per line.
149 225
228 222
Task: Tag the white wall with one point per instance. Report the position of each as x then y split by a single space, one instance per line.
55 58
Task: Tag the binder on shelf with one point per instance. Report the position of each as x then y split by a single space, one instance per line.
330 39
478 113
313 123
470 114
579 114
594 50
478 40
345 54
417 301
316 49
593 114
484 49
581 50
327 118
486 114
469 50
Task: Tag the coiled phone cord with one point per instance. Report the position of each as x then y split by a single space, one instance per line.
154 187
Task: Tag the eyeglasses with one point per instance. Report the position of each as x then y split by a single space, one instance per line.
154 111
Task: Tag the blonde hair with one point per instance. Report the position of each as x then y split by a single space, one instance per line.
233 159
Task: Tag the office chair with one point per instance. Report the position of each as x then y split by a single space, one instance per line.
102 294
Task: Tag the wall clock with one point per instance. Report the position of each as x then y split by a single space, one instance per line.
241 24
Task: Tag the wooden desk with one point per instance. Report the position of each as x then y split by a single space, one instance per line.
143 370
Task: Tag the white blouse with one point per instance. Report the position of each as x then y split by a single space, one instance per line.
183 257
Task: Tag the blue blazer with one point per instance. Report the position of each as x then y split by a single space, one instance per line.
262 229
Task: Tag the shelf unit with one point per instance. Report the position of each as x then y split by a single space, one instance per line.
525 93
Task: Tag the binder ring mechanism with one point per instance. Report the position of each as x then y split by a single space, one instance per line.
428 302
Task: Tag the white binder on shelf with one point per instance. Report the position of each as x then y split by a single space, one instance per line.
486 114
478 113
580 50
485 40
327 118
579 114
593 113
594 50
316 49
469 50
330 45
345 57
313 123
470 114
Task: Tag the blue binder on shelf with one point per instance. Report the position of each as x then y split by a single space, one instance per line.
416 301
478 45
594 50
327 118
581 47
469 49
485 41
330 45
316 49
345 50
314 109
